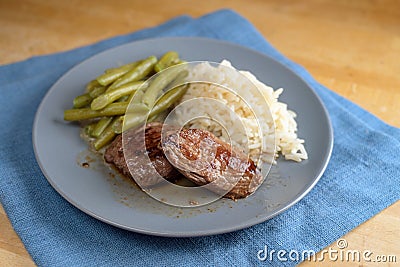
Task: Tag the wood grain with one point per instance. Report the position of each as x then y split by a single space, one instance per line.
352 47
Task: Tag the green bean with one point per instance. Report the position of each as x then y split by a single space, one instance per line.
97 91
118 125
88 129
135 115
106 136
127 67
136 97
87 113
143 69
91 85
168 59
132 121
110 76
137 108
124 98
179 80
100 126
82 100
168 99
159 83
108 97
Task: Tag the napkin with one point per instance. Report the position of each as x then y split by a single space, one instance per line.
362 178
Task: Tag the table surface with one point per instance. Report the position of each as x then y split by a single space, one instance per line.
352 47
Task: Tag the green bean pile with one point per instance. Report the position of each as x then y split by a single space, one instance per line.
105 104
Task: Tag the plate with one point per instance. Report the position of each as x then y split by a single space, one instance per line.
111 198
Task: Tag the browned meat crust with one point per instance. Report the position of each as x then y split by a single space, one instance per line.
114 155
203 158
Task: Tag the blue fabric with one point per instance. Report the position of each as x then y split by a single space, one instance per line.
362 178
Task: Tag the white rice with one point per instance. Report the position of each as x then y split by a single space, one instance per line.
284 141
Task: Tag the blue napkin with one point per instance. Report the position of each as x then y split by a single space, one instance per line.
362 178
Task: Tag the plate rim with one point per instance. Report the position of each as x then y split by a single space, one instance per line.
261 219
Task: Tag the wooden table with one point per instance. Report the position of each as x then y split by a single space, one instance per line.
352 47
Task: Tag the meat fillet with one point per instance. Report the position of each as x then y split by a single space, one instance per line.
140 151
205 159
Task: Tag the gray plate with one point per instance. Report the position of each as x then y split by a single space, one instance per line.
107 196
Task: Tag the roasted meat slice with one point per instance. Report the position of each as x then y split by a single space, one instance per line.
205 159
139 155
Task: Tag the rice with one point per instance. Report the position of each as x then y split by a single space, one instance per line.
242 112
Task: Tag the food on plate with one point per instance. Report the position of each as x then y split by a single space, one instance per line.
205 159
124 103
168 59
114 154
139 72
109 95
80 114
282 126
